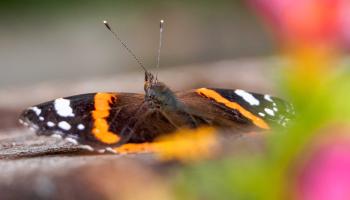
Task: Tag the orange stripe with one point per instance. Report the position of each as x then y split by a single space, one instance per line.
135 148
220 99
101 112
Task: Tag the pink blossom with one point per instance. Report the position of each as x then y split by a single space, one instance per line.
326 175
308 22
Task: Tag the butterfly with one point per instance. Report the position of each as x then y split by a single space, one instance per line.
106 120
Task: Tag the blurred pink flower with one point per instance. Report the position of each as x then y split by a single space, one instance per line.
308 22
326 176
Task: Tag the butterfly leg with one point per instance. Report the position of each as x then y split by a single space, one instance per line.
168 119
129 127
193 120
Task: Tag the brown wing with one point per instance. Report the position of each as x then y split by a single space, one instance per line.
237 108
196 108
211 111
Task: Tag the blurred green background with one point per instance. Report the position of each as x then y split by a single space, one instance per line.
65 40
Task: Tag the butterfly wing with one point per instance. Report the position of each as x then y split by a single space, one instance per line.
237 108
95 119
103 120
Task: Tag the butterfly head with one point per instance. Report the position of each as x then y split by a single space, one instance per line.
157 93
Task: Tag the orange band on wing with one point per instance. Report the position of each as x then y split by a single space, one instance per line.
220 99
135 148
100 130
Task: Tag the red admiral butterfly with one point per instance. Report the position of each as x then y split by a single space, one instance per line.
103 121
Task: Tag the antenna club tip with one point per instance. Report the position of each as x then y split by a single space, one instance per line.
161 21
105 22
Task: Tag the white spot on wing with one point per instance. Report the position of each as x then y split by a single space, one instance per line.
81 127
50 124
64 125
87 147
63 108
109 149
36 110
261 114
41 118
275 109
21 121
101 150
247 97
56 136
269 111
268 98
71 140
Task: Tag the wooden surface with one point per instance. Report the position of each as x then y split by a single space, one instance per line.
35 167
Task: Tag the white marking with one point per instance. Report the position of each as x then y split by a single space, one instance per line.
261 114
36 110
101 150
247 97
81 127
64 125
109 149
63 108
71 140
56 136
275 109
269 111
41 118
87 147
23 122
268 98
50 124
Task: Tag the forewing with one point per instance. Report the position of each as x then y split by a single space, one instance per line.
95 119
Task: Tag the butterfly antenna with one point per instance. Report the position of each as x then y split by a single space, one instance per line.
161 26
124 45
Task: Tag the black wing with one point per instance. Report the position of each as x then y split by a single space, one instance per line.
95 119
